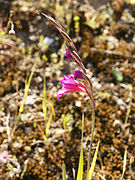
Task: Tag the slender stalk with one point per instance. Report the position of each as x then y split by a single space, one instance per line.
89 177
92 135
130 104
26 92
44 104
93 119
63 172
80 168
9 22
124 164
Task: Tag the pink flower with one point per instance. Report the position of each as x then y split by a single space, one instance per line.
73 56
69 84
78 74
68 55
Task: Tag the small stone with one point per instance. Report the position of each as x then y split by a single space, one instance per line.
17 144
27 148
30 100
78 103
117 123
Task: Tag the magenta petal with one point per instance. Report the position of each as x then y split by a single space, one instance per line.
68 55
69 84
60 93
78 74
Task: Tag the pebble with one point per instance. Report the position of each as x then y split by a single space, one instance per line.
30 100
117 123
48 40
78 103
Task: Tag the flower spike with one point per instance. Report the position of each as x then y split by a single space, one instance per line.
73 55
54 22
70 45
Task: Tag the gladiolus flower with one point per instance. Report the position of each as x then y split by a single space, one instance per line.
68 55
75 58
78 74
69 84
83 77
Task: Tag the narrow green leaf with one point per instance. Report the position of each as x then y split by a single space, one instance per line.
63 172
44 107
82 126
26 91
52 114
130 103
93 163
48 125
80 168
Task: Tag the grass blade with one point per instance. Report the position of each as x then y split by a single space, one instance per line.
44 99
52 114
26 91
130 103
93 163
80 168
63 172
48 125
124 165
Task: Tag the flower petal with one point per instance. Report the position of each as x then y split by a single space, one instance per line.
69 84
78 74
68 55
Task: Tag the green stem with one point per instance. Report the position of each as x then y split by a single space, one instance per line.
92 135
130 104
